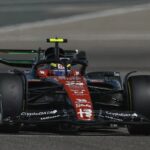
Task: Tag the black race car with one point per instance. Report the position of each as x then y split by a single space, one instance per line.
58 91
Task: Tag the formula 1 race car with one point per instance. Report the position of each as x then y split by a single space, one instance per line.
58 91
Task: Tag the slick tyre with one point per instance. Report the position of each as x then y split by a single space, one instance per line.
11 98
139 101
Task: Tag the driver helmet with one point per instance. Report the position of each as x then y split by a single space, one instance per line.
59 69
50 53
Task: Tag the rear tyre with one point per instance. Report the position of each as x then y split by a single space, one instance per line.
12 99
139 101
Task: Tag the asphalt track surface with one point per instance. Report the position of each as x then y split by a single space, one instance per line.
20 11
116 36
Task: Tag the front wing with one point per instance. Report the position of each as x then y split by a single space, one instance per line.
102 117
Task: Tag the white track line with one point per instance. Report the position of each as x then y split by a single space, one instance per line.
85 37
76 18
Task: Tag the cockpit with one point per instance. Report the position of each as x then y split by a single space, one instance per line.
57 63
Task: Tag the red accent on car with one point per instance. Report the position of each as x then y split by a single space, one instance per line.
79 95
43 73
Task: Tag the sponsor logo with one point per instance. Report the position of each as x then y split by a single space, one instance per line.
118 116
28 114
76 86
60 66
76 79
77 92
49 117
83 105
70 83
81 100
96 81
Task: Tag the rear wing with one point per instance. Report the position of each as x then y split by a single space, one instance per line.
19 63
39 55
18 51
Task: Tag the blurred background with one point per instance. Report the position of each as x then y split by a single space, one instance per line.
114 33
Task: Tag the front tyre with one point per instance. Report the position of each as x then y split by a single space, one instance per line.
12 99
139 101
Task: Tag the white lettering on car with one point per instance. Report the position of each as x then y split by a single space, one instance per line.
82 100
70 83
83 105
85 113
50 117
39 113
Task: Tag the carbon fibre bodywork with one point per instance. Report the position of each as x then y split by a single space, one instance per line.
69 94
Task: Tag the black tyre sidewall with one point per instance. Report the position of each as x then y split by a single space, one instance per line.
12 93
139 101
139 95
